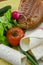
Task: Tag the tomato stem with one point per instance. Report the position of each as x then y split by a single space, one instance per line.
14 33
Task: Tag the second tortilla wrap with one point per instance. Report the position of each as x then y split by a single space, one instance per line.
32 40
38 51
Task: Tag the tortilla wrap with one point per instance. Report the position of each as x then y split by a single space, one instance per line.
12 56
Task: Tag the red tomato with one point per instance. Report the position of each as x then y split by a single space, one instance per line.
14 35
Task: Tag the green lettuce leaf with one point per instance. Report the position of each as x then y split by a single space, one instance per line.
4 41
1 29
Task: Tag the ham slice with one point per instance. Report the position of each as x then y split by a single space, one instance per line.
31 13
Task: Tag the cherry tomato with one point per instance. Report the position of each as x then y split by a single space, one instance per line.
14 35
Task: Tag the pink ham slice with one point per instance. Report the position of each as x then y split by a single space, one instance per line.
31 13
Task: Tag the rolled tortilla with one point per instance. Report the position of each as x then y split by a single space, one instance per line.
12 56
32 40
38 51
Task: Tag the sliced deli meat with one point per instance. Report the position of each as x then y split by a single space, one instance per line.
31 13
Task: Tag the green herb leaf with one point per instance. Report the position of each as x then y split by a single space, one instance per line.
15 23
1 29
4 41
